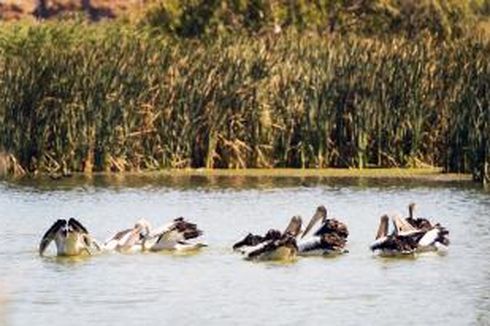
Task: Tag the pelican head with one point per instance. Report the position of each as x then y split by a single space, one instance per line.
64 230
411 210
383 227
320 214
71 229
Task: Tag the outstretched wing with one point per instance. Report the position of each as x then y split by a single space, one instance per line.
50 234
77 226
87 238
188 230
179 230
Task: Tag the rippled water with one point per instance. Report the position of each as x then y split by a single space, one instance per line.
216 286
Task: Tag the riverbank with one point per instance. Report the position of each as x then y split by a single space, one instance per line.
423 174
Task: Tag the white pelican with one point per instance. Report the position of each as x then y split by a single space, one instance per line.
329 237
71 238
274 245
129 239
173 236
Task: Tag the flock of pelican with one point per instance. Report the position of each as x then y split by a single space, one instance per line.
322 236
73 239
410 235
329 237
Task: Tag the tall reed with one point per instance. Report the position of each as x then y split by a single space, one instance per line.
114 98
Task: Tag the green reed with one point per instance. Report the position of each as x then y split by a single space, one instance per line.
115 98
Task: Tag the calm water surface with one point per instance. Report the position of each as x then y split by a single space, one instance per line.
217 287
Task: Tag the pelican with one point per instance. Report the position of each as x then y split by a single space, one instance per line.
276 245
406 239
330 237
129 239
71 239
173 236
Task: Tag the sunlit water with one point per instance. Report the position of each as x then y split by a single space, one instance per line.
216 286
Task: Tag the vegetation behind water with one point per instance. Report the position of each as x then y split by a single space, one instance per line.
119 97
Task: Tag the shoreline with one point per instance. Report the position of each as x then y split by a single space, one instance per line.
423 174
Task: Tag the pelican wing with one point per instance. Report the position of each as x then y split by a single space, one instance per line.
50 235
420 223
129 239
435 235
113 242
122 240
334 241
429 238
77 226
170 236
188 230
255 250
250 240
395 243
325 243
180 230
90 243
333 226
271 245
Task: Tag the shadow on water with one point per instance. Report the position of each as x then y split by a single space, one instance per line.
67 261
178 253
227 182
271 264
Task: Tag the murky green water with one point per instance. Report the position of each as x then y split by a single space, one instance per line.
217 287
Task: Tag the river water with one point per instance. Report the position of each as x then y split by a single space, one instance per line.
216 286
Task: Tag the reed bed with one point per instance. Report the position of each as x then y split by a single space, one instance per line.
115 98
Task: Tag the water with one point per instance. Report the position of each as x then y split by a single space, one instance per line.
216 286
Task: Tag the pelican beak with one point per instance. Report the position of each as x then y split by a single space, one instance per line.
294 227
383 227
319 214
